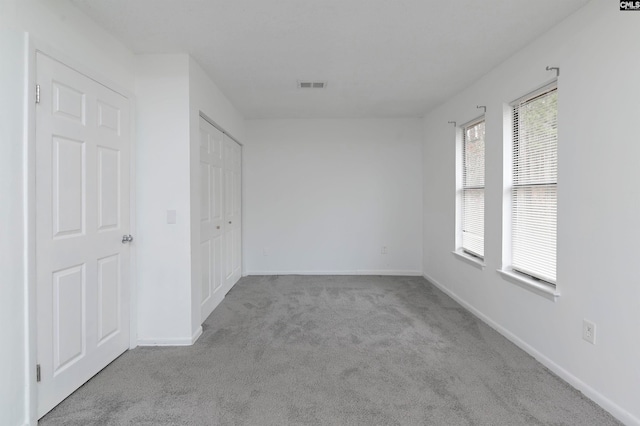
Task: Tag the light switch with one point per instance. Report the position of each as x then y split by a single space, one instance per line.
171 217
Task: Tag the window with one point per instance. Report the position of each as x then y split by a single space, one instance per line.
473 188
535 181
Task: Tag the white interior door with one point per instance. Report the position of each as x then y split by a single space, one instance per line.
232 158
82 199
211 217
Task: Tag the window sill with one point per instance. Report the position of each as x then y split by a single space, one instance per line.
471 260
532 285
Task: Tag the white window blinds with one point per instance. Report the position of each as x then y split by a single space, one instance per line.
473 188
534 192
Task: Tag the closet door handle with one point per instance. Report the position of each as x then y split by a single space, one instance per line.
229 222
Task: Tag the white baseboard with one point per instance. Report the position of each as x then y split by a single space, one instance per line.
196 335
390 272
386 272
178 341
618 412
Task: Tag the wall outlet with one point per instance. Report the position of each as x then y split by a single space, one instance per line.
589 331
265 251
384 250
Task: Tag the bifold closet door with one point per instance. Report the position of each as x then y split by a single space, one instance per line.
211 217
232 211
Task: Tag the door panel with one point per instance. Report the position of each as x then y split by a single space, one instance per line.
228 255
217 260
205 253
109 117
232 208
211 218
68 186
68 102
205 193
228 212
69 323
108 188
108 297
228 194
237 208
82 211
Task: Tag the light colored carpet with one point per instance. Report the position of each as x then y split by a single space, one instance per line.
339 350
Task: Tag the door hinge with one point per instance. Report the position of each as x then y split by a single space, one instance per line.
37 93
38 373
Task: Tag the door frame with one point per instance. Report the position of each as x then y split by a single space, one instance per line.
35 46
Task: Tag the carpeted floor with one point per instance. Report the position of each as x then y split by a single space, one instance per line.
339 350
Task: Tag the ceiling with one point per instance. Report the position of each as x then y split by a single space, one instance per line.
380 58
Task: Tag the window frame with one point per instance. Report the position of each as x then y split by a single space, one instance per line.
460 251
524 278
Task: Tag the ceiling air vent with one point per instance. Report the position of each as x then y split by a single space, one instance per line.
311 84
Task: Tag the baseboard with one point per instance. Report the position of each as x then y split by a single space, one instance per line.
179 341
390 272
196 335
618 412
386 272
165 342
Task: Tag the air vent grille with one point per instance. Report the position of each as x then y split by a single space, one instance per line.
312 84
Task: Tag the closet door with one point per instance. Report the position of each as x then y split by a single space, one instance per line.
237 211
211 217
232 208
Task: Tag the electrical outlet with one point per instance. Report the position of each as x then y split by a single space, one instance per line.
384 250
265 251
589 331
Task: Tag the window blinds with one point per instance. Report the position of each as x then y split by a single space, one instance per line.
534 192
473 188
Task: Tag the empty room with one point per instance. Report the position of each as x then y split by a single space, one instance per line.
274 212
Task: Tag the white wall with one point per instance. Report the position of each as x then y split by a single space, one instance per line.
61 26
60 30
172 90
598 205
163 178
204 97
324 196
13 295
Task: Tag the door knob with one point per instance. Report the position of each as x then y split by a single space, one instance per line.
229 222
218 227
127 239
